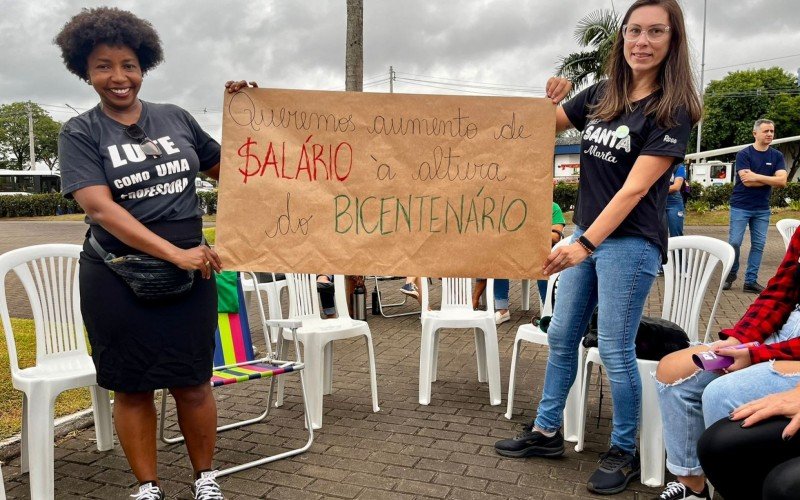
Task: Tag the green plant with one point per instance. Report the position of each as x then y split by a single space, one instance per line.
37 205
699 206
717 195
208 201
566 195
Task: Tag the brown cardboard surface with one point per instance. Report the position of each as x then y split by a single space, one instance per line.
385 184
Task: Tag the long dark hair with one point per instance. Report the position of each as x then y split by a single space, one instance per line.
675 78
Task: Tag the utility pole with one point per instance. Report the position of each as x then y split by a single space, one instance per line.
391 80
702 75
30 137
354 50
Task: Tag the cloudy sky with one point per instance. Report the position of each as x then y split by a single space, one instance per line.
462 45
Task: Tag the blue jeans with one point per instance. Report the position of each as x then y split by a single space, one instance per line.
758 220
616 278
542 286
675 216
690 405
501 294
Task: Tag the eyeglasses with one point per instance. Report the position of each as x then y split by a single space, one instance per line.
149 146
655 33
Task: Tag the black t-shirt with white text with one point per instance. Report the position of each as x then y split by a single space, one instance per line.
609 150
95 150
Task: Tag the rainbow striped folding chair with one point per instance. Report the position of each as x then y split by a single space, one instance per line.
235 361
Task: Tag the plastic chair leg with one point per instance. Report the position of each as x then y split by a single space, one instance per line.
373 378
435 362
584 402
327 374
480 353
526 295
651 437
492 362
40 445
101 406
24 462
572 410
2 486
511 378
426 361
314 358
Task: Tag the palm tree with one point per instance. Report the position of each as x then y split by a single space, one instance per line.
597 30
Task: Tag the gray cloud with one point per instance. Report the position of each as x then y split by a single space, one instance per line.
300 44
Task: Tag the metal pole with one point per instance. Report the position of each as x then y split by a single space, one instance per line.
76 111
30 137
702 76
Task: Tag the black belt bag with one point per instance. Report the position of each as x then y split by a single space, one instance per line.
149 278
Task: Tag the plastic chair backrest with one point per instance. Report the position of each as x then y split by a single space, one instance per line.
787 228
303 299
49 276
233 341
692 261
457 293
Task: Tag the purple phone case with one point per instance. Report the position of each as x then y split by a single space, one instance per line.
708 360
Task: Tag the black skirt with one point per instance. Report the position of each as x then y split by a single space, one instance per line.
141 345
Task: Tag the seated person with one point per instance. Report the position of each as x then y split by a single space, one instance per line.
501 286
325 287
756 454
692 399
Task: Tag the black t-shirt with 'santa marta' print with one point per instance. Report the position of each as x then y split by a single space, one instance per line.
608 151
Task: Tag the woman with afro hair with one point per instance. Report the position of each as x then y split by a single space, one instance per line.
132 166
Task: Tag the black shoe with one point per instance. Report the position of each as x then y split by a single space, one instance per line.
752 288
531 443
617 469
679 491
728 282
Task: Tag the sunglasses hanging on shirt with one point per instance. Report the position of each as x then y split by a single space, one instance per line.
149 146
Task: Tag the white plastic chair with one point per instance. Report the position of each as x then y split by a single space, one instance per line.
457 312
317 336
787 228
692 262
49 276
534 334
273 289
2 485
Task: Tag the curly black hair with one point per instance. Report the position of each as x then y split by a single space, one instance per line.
112 26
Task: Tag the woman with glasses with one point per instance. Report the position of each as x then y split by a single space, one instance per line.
635 125
132 165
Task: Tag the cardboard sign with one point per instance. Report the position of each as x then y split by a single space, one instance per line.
385 184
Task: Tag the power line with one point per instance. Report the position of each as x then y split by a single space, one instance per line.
486 84
754 62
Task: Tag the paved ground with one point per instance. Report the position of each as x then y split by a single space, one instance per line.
406 450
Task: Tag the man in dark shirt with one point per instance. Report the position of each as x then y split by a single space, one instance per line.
759 168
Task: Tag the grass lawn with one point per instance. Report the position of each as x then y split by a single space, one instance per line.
11 399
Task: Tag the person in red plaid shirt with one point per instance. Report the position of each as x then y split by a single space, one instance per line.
692 399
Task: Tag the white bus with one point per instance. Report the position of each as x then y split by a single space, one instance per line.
27 182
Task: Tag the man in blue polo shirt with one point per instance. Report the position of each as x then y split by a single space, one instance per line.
759 168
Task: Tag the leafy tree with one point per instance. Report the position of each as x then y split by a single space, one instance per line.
785 112
14 141
735 102
597 31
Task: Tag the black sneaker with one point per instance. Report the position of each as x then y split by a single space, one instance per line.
679 491
728 282
752 288
617 469
149 491
531 443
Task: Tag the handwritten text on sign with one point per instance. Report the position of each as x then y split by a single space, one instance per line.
404 185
